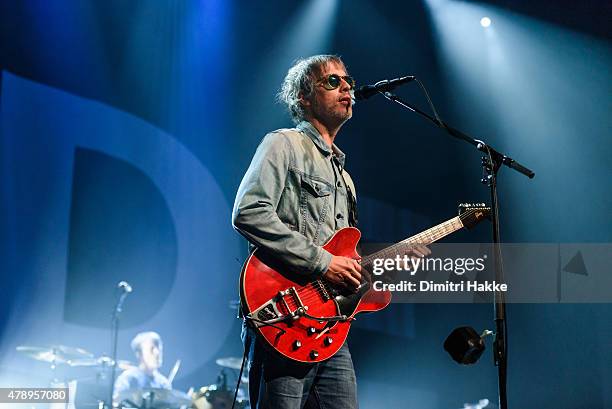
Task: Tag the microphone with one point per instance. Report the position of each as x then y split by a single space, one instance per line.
124 286
366 91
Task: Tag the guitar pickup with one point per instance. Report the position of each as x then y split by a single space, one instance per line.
323 291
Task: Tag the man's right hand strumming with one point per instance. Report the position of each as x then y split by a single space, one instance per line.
344 271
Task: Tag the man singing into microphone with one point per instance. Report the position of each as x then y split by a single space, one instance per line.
293 197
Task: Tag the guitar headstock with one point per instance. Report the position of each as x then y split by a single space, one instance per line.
471 214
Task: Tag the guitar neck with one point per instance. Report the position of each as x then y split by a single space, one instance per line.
426 237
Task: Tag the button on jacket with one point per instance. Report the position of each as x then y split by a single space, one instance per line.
293 198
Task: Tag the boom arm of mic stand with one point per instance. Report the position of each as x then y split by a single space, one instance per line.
480 145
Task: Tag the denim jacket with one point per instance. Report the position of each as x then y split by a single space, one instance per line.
293 198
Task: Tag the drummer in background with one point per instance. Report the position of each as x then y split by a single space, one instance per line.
148 348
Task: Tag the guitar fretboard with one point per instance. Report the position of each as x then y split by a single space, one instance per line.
427 237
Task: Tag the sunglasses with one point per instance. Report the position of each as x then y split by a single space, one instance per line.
333 81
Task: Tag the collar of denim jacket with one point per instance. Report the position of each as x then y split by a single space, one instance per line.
318 140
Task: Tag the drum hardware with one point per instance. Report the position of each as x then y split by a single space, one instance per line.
231 362
154 398
102 362
73 357
54 354
58 355
213 397
219 395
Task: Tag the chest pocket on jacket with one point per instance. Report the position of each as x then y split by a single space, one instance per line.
316 200
316 187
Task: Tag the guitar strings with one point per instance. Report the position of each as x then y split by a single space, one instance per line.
311 291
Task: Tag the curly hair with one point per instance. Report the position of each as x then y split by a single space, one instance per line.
300 80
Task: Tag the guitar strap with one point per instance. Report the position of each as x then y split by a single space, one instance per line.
350 197
352 205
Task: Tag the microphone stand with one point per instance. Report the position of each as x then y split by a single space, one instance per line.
114 338
491 164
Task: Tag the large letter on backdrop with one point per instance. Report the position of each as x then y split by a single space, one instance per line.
92 195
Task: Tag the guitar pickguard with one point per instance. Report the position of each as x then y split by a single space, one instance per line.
348 301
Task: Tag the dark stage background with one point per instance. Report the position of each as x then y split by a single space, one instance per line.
127 125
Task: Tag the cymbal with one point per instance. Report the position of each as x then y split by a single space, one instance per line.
230 362
55 354
156 397
101 362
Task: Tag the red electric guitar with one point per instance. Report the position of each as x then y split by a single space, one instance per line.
308 321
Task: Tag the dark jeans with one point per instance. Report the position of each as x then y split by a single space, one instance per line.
276 382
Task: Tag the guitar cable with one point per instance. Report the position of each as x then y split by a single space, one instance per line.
247 347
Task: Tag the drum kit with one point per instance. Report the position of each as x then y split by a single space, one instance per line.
218 395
